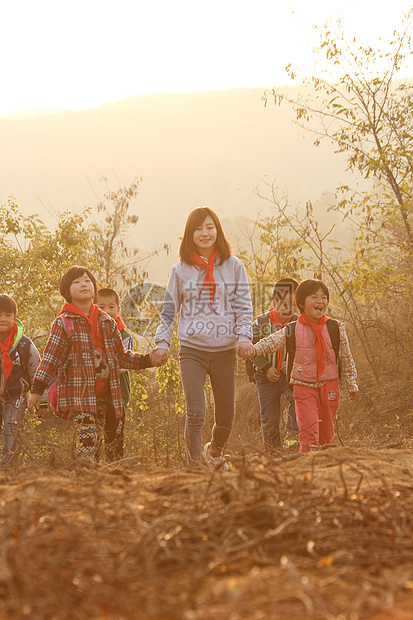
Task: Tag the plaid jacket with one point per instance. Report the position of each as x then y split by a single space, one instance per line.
72 360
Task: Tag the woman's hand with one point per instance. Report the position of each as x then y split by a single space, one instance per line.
159 357
246 350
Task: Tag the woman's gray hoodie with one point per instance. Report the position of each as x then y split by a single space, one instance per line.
215 326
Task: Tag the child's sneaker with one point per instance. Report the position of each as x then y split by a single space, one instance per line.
215 461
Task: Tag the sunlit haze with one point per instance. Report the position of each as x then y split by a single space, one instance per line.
81 54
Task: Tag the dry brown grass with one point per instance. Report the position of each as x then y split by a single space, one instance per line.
326 535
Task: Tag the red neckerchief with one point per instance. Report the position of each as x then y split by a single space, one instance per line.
121 325
209 277
320 345
275 320
92 321
4 348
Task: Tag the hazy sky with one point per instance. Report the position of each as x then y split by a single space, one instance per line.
83 53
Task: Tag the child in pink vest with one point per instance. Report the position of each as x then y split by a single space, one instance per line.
314 372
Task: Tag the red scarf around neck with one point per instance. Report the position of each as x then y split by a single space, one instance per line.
275 320
121 325
320 345
209 277
4 348
92 321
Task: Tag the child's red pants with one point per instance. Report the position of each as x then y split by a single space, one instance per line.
316 409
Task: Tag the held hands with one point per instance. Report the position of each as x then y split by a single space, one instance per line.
33 402
246 350
159 357
33 406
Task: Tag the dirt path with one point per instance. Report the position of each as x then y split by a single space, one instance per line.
327 536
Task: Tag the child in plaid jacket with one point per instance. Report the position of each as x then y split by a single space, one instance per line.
86 363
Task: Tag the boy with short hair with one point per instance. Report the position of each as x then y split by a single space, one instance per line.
19 360
108 301
270 375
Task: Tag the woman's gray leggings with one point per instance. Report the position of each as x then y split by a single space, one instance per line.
221 366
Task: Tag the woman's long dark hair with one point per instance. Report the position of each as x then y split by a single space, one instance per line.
195 219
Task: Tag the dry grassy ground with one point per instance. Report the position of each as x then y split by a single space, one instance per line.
326 536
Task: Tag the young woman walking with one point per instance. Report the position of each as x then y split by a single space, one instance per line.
209 289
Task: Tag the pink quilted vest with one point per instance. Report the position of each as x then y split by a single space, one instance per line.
305 359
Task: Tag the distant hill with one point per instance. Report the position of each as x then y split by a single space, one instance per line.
206 148
37 110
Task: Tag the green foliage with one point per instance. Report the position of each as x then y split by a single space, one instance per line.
169 380
367 114
139 391
272 253
108 238
48 442
32 260
154 424
155 414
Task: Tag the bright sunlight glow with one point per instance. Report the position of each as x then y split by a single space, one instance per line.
84 53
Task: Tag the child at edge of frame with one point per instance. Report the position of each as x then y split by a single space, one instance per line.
19 360
314 368
108 301
86 363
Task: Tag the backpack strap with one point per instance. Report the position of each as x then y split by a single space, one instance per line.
23 348
263 321
334 333
68 325
289 347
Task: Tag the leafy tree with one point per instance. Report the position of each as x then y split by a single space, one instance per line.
32 261
119 265
33 258
367 114
327 260
271 253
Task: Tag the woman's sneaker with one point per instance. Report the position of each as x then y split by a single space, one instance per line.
215 461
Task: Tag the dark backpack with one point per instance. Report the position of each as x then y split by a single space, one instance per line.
20 380
334 333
